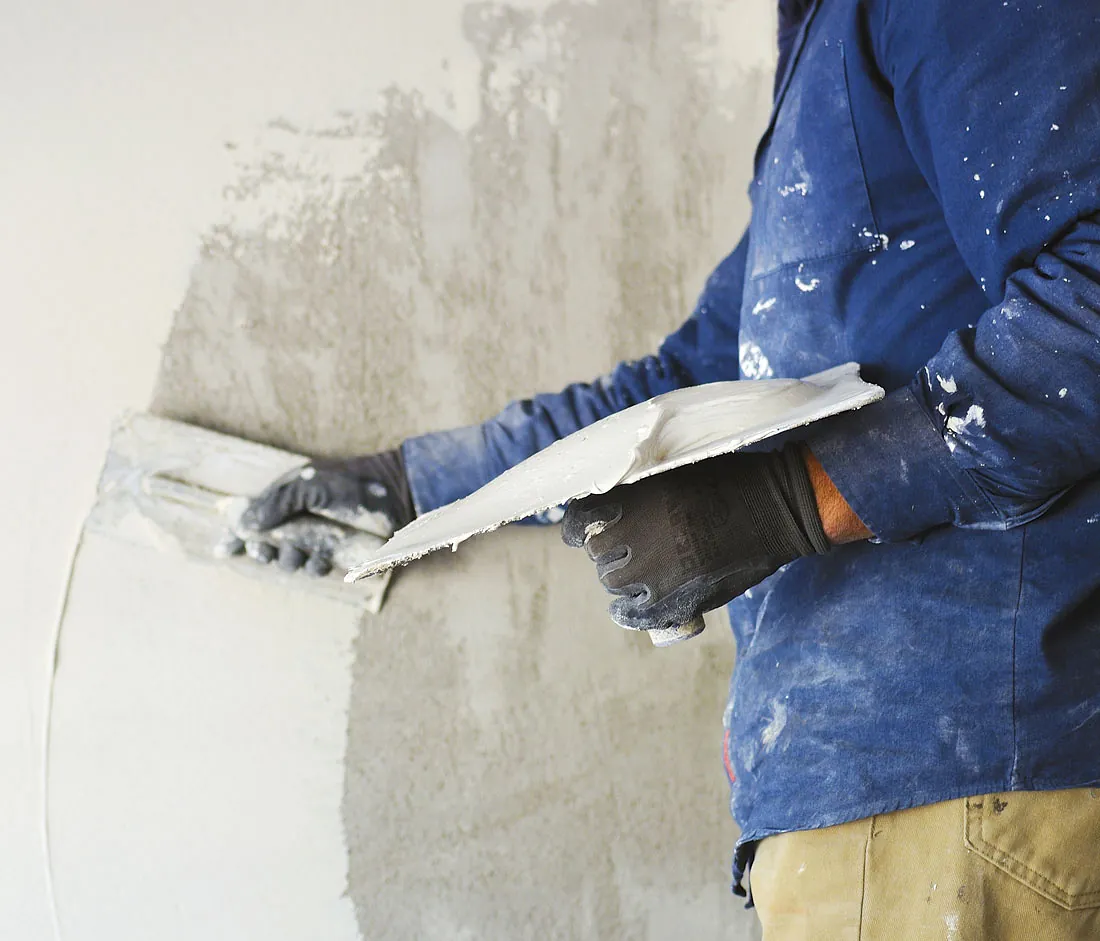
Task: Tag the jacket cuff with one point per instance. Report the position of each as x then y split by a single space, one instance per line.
446 465
895 470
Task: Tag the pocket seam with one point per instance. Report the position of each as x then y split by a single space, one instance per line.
827 256
1016 868
855 136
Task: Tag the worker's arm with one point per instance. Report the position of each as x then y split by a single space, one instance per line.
838 520
447 465
429 471
1000 104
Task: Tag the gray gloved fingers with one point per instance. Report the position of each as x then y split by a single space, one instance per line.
319 564
609 562
587 517
291 557
634 609
260 551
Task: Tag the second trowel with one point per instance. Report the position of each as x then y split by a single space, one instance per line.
664 433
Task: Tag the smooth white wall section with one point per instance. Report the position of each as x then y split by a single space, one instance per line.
197 753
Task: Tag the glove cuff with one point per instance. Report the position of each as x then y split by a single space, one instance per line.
801 498
780 497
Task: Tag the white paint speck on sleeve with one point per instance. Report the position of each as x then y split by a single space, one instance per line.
882 239
754 364
777 724
974 417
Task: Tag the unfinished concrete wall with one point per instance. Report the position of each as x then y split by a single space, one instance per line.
517 766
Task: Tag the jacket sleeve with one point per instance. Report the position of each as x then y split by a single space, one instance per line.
999 103
447 465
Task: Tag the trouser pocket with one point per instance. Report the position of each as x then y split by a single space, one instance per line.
1047 840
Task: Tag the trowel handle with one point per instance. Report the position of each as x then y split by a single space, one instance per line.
165 487
667 636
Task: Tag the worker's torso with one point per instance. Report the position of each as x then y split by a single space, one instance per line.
884 676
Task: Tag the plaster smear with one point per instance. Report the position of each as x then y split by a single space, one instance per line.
195 727
389 270
196 753
181 489
666 432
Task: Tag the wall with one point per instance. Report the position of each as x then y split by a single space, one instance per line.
432 207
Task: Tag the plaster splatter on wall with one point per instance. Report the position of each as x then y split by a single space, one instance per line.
600 181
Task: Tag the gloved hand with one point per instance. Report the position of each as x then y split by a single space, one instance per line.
368 493
678 544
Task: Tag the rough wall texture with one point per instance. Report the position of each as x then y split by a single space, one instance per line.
517 767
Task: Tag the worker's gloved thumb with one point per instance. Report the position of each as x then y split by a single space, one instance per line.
295 519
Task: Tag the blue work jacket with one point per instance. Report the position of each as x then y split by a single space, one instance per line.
926 202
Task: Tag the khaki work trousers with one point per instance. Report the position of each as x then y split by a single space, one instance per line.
1000 867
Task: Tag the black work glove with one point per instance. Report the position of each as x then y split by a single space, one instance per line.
678 544
368 493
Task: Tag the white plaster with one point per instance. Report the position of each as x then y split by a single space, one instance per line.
143 813
180 490
974 418
951 924
116 119
775 726
196 755
764 305
664 433
753 361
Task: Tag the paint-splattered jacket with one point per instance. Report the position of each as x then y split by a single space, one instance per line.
926 201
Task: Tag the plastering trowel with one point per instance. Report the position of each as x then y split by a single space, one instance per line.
666 432
181 488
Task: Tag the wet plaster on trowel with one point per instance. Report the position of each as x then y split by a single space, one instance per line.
654 437
516 766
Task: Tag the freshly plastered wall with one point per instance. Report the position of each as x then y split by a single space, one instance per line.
346 223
